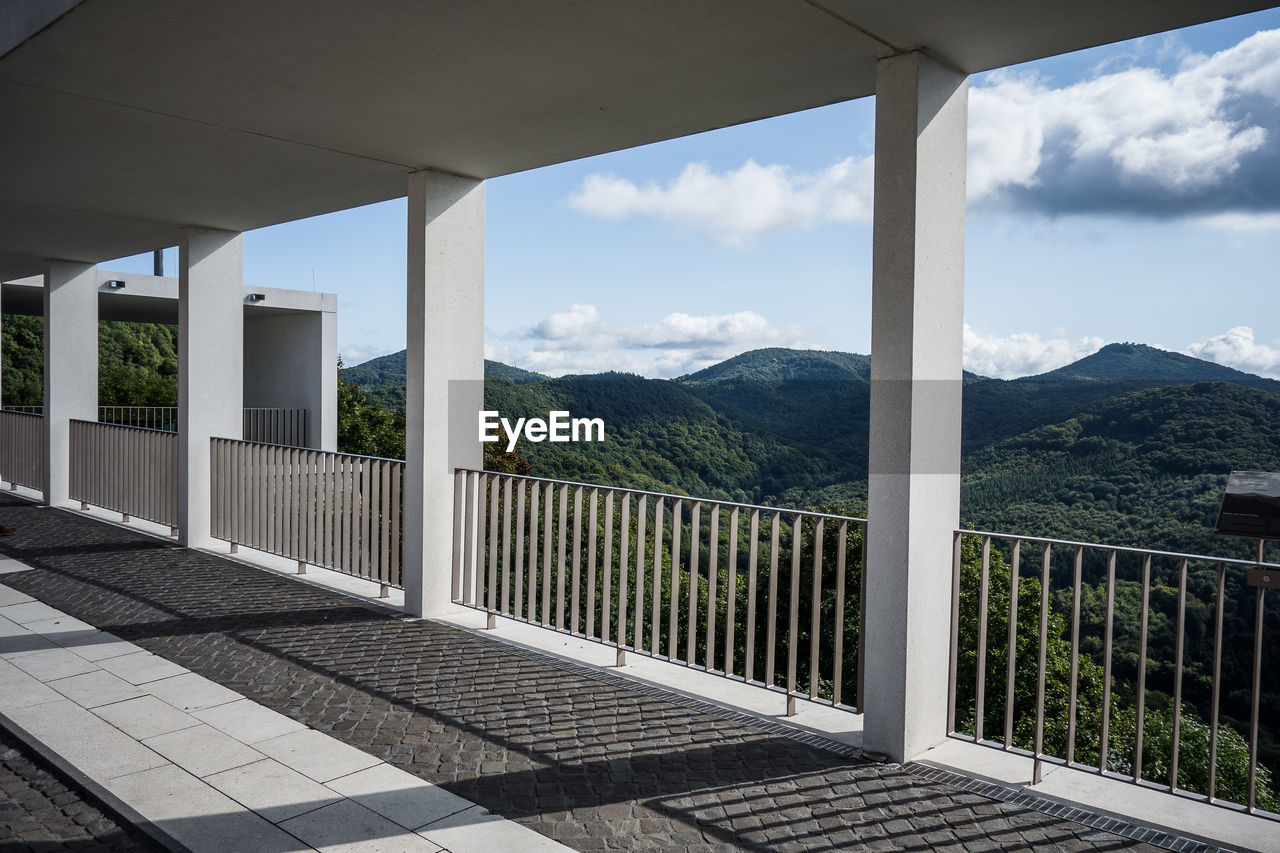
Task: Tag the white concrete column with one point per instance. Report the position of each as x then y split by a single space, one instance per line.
916 384
210 366
291 362
445 382
70 366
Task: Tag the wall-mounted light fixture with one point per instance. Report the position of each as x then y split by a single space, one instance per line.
115 284
257 297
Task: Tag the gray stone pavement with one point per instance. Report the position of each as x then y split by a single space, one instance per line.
587 761
39 811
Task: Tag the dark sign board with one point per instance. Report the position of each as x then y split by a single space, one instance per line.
1250 506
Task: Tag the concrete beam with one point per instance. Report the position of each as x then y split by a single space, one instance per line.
445 382
916 383
210 366
70 366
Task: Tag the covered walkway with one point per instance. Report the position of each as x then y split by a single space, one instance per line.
581 756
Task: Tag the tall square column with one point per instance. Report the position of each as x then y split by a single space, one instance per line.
210 366
445 373
70 366
916 386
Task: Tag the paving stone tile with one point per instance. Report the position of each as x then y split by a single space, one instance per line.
95 747
399 796
200 817
91 689
145 717
31 611
274 791
84 640
191 692
18 690
12 596
202 750
347 827
52 663
9 566
141 667
316 755
478 830
16 640
248 722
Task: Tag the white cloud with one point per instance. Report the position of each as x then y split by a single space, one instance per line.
581 340
1237 348
1136 139
354 354
1240 222
1022 353
1200 141
737 205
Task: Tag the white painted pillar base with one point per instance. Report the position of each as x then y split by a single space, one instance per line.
70 366
210 366
445 382
916 386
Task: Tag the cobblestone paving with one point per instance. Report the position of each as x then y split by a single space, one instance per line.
592 765
38 813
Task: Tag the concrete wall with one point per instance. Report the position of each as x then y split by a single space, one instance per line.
290 362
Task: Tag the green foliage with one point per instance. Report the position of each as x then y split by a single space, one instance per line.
364 427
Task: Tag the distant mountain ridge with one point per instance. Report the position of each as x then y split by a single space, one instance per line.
1128 362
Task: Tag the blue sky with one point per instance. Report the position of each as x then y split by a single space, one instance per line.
1125 193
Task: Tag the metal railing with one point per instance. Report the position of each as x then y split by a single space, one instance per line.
276 426
22 449
1145 697
767 596
131 470
148 417
25 410
332 510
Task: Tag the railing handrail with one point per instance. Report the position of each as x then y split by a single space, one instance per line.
121 426
714 501
312 450
1125 549
8 410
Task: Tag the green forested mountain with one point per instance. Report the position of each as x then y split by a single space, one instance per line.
778 364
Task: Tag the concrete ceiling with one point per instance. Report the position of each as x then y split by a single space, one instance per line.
123 120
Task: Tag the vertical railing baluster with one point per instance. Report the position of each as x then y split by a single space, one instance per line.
837 653
606 594
562 568
1043 663
655 600
1217 681
575 597
753 550
548 568
638 626
815 609
980 682
593 518
535 492
953 673
673 591
459 532
505 606
491 582
1108 635
624 547
1140 716
521 570
695 536
771 625
1012 663
793 615
1075 655
731 594
1179 641
713 579
1251 805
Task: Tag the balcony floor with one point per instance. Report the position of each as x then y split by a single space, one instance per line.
582 757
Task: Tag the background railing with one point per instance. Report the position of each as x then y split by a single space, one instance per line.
22 440
771 597
148 417
276 426
130 470
332 510
1111 659
268 426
